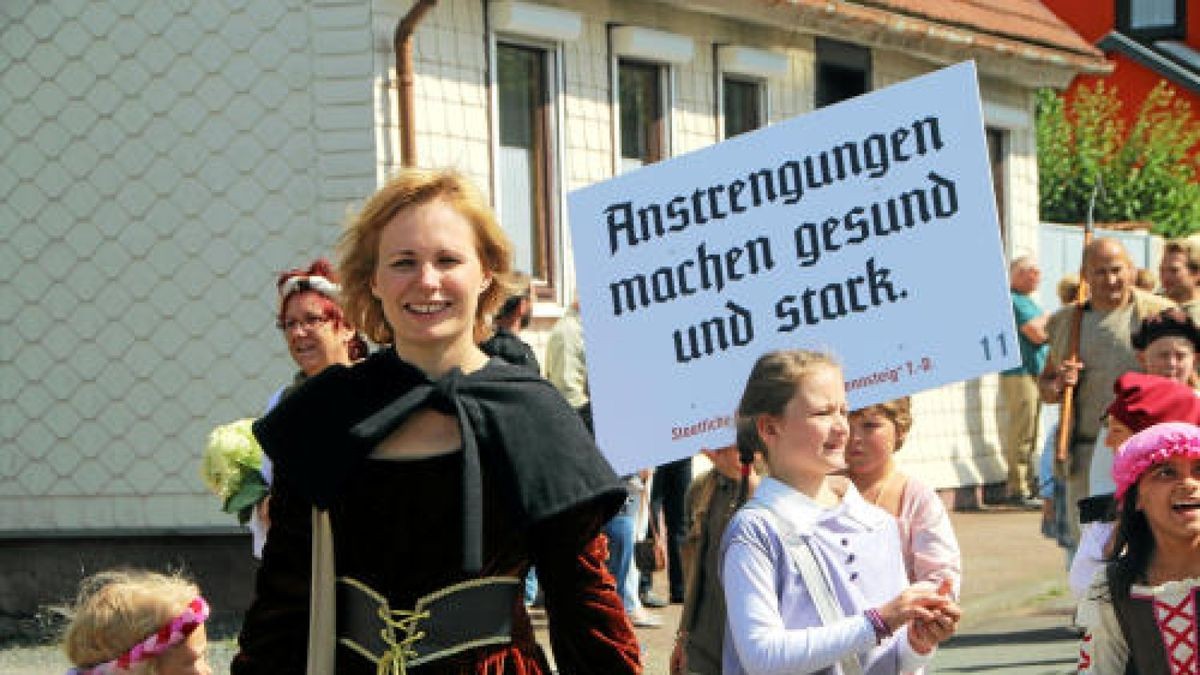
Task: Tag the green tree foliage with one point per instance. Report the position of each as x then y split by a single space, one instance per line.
1146 170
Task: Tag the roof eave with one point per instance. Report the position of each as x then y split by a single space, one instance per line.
1148 58
1026 63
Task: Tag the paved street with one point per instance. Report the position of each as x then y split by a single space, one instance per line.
1028 643
1016 612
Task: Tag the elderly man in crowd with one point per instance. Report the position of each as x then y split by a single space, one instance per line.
1113 312
1018 386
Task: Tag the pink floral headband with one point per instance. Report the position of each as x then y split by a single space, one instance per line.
175 631
1151 446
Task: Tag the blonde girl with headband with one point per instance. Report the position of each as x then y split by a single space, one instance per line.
137 622
813 575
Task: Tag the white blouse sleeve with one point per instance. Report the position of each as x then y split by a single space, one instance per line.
764 646
1089 557
1103 649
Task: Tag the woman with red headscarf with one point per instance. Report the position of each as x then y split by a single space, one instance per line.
313 324
317 335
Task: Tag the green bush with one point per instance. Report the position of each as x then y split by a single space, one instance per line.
1147 171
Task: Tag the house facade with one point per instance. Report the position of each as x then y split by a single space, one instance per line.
1146 41
164 160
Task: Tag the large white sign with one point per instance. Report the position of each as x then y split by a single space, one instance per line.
867 229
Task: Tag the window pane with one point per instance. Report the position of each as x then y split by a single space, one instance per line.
518 84
743 106
1151 13
517 207
522 96
641 114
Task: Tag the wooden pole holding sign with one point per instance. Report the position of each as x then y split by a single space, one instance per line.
1062 447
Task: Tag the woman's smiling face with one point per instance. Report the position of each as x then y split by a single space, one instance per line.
314 339
428 277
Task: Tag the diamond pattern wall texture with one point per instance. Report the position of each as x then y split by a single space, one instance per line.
160 166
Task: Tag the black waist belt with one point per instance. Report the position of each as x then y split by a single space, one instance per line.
470 614
1100 508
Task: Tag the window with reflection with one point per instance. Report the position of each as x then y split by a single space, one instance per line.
742 102
1152 19
526 181
641 111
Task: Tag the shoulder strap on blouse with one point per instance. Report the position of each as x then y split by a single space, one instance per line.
819 589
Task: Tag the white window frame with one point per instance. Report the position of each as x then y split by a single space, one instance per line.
764 99
1011 121
746 64
666 93
553 288
654 47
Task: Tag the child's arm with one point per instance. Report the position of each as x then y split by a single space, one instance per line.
763 644
936 555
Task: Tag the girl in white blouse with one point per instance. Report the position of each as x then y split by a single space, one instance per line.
813 575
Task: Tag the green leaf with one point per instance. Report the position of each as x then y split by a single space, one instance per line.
249 492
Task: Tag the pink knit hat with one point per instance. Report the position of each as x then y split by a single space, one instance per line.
1153 446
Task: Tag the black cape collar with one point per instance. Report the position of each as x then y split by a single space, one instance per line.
512 422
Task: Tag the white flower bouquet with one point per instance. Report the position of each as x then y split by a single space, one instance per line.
232 468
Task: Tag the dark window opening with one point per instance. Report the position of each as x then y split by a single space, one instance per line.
843 71
997 140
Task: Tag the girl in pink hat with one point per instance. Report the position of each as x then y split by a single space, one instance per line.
1141 610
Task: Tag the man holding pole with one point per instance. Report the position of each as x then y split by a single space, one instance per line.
1113 311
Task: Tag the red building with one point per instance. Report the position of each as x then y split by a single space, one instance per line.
1147 41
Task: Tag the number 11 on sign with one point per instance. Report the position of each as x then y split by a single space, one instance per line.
1001 346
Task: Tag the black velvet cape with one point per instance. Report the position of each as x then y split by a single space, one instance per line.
323 432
